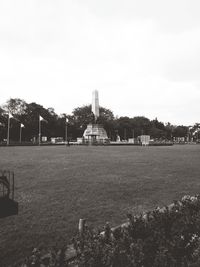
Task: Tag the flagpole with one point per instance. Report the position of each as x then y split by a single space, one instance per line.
20 133
66 122
66 133
8 133
39 130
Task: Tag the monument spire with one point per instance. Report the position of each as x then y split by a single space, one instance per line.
95 133
95 104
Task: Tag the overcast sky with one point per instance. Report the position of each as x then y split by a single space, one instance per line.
142 56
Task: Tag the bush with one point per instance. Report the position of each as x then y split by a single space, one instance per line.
164 237
41 258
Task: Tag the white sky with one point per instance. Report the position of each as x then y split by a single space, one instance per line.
142 56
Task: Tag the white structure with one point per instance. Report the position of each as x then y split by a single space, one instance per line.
145 139
44 139
118 139
95 133
57 140
95 104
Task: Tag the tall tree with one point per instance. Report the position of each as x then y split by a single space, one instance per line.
82 116
158 129
141 125
124 128
180 131
3 124
31 120
16 106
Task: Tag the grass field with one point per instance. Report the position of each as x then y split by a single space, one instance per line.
56 186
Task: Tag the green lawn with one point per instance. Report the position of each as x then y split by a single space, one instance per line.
56 186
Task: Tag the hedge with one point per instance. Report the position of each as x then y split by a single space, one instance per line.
164 237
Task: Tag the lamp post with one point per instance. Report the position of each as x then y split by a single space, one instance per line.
125 138
198 135
20 132
39 135
1 124
133 134
66 133
8 131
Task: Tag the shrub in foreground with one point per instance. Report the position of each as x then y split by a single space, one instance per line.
164 237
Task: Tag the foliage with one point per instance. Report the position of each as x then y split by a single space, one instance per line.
82 116
125 127
164 237
16 106
180 131
53 193
41 258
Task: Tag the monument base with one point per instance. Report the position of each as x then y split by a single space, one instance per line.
95 134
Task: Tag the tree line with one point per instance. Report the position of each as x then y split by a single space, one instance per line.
28 114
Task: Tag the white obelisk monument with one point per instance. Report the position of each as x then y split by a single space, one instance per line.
95 104
95 133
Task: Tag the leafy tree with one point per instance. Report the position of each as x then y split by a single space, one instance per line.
169 128
82 116
157 129
180 131
141 125
106 118
16 106
124 127
194 131
157 133
157 124
31 120
3 124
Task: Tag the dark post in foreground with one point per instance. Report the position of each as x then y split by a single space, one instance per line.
8 206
